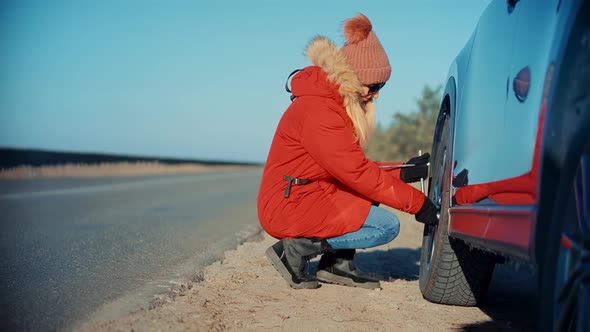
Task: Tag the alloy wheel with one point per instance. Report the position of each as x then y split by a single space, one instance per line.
572 280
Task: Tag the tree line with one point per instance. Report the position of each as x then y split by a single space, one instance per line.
408 132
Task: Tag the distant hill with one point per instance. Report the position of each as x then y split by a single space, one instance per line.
10 157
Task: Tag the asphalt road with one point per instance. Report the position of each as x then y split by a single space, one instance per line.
67 246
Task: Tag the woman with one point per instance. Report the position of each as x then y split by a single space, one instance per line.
319 193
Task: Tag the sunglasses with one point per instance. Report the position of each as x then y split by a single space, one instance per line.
375 87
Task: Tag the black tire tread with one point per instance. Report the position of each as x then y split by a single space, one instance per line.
458 274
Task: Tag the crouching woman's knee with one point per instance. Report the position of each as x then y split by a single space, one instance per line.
387 222
391 226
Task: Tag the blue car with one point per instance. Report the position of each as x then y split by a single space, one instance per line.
510 166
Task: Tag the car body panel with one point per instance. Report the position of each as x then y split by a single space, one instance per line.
533 39
493 133
480 110
500 229
459 66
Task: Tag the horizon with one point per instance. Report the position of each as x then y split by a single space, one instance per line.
155 158
198 80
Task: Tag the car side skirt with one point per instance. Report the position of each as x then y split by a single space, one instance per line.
501 229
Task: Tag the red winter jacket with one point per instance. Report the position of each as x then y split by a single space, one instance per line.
315 140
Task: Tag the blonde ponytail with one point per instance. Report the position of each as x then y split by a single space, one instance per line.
362 115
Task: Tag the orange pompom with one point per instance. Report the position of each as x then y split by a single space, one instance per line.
357 29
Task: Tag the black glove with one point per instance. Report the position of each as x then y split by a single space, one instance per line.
461 179
427 213
417 172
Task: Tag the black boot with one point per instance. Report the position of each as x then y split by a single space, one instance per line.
337 268
289 257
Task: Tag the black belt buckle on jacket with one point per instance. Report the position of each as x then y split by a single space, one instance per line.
295 181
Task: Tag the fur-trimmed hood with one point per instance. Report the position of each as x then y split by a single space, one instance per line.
324 54
331 76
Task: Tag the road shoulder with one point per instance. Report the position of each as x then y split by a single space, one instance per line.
244 293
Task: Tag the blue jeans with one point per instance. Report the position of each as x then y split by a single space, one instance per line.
380 227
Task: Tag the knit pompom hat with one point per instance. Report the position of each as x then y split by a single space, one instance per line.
363 51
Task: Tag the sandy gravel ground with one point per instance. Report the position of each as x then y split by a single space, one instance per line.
245 293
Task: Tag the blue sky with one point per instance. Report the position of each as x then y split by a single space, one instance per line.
195 79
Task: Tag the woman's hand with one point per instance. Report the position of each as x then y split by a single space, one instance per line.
418 171
427 214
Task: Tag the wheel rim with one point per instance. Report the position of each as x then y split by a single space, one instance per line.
436 192
572 282
437 198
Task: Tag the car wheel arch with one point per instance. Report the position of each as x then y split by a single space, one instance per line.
447 106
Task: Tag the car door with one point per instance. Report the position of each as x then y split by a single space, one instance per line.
481 106
529 68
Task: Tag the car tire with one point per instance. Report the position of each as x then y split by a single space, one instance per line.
450 271
564 270
564 216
